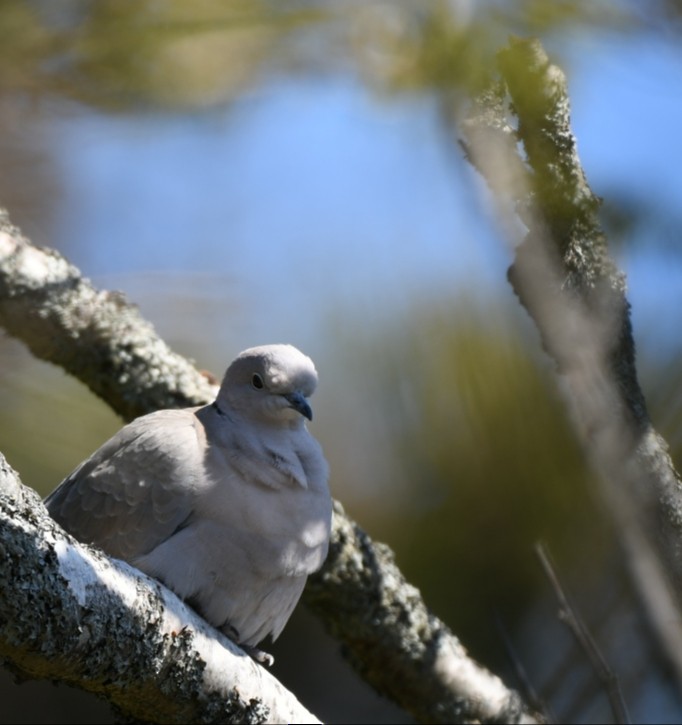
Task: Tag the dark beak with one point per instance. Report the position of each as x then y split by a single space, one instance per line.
298 402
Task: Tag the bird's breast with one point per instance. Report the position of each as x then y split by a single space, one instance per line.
282 525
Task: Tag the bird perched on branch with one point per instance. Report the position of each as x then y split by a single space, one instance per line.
226 504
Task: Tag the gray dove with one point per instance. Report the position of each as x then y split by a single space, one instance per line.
226 504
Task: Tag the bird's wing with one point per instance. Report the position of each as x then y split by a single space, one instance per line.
138 488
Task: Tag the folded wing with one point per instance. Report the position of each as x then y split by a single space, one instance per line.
138 488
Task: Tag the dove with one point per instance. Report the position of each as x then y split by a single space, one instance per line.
226 504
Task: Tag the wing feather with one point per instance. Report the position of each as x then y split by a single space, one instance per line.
138 488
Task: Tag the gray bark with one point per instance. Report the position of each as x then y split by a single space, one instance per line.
97 336
70 613
564 277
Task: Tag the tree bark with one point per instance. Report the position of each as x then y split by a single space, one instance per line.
564 277
70 613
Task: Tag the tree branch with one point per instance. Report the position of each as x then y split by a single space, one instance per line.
97 336
63 605
395 643
571 288
587 643
384 625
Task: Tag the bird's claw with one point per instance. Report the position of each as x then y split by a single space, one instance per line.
263 658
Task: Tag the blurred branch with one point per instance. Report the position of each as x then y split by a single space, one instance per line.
518 136
527 688
586 641
68 612
361 596
395 643
117 55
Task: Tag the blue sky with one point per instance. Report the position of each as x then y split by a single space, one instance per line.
627 106
310 198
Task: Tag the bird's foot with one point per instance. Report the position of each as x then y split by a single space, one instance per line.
263 658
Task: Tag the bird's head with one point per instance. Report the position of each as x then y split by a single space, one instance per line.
270 383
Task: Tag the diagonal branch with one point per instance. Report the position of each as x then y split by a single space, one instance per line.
572 289
63 605
402 649
395 643
569 616
97 336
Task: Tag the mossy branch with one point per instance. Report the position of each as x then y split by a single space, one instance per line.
518 136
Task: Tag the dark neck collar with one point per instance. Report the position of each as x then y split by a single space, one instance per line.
218 409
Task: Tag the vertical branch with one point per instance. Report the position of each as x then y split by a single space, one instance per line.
519 137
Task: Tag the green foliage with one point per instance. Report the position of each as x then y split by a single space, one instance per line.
48 421
489 465
123 54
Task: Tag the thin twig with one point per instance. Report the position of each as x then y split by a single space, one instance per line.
587 643
528 692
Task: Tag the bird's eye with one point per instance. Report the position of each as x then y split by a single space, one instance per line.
257 381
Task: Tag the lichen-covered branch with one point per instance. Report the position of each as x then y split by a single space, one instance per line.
360 595
97 336
68 612
519 137
395 643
